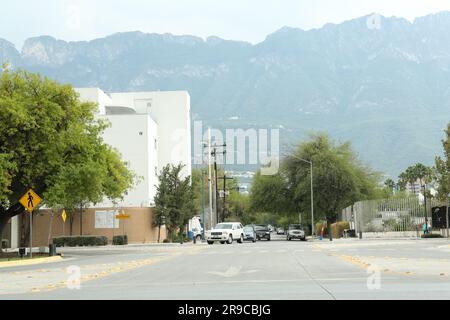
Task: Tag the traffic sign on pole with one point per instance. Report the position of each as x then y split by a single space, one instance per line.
30 200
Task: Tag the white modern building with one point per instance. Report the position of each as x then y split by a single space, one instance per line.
150 130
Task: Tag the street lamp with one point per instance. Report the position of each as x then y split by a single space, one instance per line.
313 232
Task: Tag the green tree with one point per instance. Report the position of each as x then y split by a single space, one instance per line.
388 190
270 194
51 142
443 168
417 172
174 200
339 177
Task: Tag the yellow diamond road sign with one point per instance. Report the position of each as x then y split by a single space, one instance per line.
30 200
64 216
123 216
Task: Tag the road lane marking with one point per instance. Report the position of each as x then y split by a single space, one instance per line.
114 268
232 272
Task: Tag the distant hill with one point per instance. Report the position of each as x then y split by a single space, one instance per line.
387 89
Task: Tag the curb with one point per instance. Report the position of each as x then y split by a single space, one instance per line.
20 263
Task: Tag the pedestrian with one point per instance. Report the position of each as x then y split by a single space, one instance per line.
424 228
429 226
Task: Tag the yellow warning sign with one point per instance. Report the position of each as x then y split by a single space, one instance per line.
123 216
64 216
30 200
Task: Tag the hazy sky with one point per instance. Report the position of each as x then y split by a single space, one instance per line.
249 20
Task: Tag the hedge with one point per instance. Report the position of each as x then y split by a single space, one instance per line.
80 241
337 229
431 236
120 240
319 226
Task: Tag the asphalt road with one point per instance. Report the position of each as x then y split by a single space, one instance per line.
275 270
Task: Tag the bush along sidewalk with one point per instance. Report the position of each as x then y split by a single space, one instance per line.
431 236
120 240
80 241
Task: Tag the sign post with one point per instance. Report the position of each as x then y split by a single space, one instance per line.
31 235
123 216
30 200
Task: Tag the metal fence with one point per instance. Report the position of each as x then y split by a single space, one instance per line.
389 215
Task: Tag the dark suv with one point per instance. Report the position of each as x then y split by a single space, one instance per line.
262 232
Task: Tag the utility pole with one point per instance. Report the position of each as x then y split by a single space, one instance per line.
216 186
214 154
313 231
203 189
225 178
210 179
425 205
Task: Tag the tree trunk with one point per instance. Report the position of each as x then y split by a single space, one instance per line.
6 215
169 234
159 233
71 217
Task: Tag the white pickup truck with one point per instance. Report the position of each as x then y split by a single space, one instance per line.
226 232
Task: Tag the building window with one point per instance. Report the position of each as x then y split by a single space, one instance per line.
156 171
156 144
141 133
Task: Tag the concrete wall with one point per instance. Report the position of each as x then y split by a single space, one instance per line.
94 95
134 137
171 112
138 228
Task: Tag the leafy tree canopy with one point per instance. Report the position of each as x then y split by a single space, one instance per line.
52 142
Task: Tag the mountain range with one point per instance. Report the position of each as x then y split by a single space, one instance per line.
383 86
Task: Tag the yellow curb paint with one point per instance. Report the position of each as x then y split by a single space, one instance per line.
19 263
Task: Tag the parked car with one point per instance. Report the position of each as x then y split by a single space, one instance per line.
249 233
226 232
296 231
262 232
281 231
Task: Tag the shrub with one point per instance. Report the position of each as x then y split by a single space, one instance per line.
80 241
372 227
166 241
431 236
337 229
177 237
319 226
120 240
